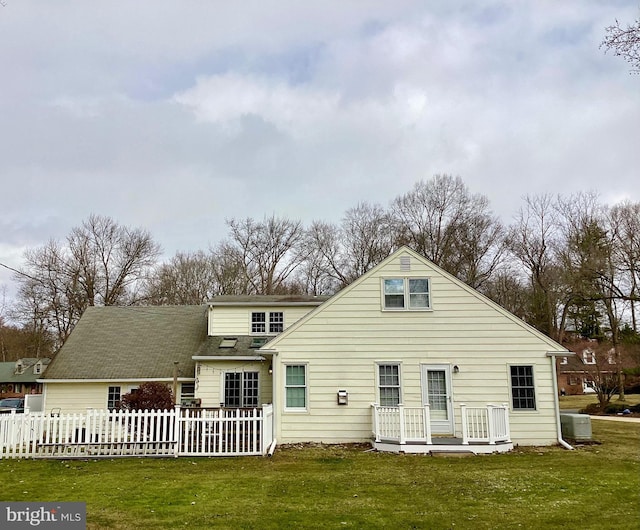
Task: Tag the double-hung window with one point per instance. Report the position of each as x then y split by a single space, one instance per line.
113 397
296 386
523 393
258 322
406 293
241 389
272 321
389 384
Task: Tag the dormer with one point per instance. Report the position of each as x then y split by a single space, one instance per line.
38 368
265 315
19 367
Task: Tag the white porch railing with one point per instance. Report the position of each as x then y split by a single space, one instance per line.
176 432
488 424
401 424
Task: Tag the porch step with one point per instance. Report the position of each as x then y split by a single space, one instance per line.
440 453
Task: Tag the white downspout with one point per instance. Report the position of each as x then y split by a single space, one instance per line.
556 401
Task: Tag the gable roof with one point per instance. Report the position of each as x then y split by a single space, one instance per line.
8 370
131 343
554 347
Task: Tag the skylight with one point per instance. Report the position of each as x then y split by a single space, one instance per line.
228 342
258 342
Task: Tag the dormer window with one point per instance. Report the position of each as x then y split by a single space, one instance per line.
37 368
406 294
262 320
19 367
588 357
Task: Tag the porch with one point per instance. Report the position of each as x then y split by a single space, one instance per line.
483 430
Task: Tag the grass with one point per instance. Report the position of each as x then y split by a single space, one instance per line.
595 486
580 402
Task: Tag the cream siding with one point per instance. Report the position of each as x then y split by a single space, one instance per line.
79 397
210 380
236 320
345 338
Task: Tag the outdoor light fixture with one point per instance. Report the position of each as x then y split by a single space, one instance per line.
456 369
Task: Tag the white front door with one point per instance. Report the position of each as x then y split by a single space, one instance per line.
436 391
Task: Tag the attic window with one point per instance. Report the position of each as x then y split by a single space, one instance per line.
228 342
37 369
258 342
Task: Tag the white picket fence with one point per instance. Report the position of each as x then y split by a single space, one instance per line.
99 433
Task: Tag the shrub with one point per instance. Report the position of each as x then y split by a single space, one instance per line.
149 396
592 408
615 408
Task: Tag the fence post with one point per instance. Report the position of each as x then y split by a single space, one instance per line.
177 431
403 435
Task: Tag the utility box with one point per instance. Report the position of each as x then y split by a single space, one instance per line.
343 397
576 427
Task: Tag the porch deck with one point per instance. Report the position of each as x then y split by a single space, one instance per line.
400 429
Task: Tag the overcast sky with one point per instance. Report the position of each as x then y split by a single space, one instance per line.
174 116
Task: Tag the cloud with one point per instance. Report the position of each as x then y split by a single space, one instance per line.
175 117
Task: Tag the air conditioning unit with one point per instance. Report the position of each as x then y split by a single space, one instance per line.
576 427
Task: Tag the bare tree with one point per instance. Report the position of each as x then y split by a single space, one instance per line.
270 251
102 264
455 229
624 42
187 279
624 221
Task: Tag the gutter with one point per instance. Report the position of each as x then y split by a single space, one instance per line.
552 356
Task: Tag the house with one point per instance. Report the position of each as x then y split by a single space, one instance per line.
21 377
407 356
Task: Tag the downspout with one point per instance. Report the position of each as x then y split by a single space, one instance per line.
556 402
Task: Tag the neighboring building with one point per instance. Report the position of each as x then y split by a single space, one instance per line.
21 377
405 334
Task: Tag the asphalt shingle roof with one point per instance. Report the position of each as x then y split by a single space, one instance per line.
131 343
242 347
268 299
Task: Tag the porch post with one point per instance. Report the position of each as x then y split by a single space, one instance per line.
403 435
465 430
505 406
427 423
491 419
376 422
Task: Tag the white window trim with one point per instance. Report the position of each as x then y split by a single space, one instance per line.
267 323
377 379
405 280
588 357
535 390
223 380
304 409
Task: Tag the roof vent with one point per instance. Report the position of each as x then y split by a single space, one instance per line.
405 263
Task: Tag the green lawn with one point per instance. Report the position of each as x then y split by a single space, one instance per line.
580 402
595 486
